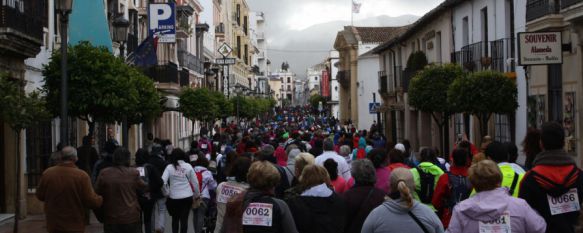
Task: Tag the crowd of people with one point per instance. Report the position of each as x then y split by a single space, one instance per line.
304 173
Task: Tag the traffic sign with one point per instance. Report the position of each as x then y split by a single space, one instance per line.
374 108
225 49
225 61
162 21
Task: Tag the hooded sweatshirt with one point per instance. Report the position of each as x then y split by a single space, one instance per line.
360 152
494 205
392 216
318 210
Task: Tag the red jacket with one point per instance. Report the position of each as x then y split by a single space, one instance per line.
442 193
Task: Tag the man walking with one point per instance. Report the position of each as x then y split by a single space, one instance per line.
66 192
329 153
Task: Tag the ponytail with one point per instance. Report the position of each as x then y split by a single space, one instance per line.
405 193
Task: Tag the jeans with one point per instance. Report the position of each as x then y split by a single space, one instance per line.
199 215
160 214
179 210
147 209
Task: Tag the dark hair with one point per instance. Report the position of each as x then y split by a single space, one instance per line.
87 140
193 145
121 157
552 136
378 157
531 145
201 161
142 156
512 152
177 154
239 169
428 155
332 168
328 144
110 147
396 156
460 157
150 136
497 152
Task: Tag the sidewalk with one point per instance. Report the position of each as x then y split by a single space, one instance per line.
36 224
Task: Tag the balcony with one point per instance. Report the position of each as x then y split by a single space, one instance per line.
220 30
190 61
261 36
502 51
184 78
383 82
343 78
21 30
572 10
472 54
165 75
568 3
536 9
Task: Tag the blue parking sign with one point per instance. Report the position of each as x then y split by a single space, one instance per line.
162 21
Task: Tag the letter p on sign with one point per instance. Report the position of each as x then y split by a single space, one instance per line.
159 12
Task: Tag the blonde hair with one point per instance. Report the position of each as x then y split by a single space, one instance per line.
485 175
313 175
303 160
402 180
263 176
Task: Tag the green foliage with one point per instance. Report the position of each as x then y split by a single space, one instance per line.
428 89
149 105
198 104
225 108
22 110
484 93
315 101
417 61
100 85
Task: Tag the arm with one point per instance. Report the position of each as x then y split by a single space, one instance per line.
287 221
165 175
533 221
370 222
89 197
440 192
42 189
194 182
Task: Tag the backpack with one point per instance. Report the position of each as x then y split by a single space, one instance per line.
427 183
283 183
459 189
144 172
199 178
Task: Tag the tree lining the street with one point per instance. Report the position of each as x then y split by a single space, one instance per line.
482 94
428 92
101 87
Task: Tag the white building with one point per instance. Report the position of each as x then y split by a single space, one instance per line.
333 60
368 66
284 93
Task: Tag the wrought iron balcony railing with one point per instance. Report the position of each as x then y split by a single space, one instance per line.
190 61
502 51
538 8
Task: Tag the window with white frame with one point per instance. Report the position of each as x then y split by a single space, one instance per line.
502 128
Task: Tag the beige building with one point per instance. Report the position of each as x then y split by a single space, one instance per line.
556 91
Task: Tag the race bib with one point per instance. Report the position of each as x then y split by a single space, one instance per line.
193 157
227 192
568 202
141 171
499 225
258 214
204 146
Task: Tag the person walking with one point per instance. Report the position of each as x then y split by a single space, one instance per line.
452 187
380 160
236 183
318 209
66 191
87 157
402 213
396 160
426 175
498 153
119 185
337 182
153 179
157 160
554 186
363 197
206 185
182 185
257 210
329 153
492 208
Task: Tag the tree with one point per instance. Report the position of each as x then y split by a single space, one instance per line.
482 94
22 111
99 85
225 108
149 101
417 61
315 102
197 105
428 93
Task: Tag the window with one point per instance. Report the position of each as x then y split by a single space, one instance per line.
316 78
484 16
502 128
399 123
465 31
288 79
459 125
39 150
239 47
555 90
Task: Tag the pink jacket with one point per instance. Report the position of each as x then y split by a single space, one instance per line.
491 205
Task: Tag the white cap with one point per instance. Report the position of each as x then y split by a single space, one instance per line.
400 147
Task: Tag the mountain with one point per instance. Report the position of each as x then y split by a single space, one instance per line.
307 47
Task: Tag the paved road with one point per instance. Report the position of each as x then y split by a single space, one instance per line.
36 224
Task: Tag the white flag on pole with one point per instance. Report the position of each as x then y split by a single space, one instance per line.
356 7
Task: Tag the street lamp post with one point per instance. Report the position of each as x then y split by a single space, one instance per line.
120 34
63 8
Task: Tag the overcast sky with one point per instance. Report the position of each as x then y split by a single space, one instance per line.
286 16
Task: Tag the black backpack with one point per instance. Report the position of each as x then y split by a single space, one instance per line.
459 189
283 183
427 181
